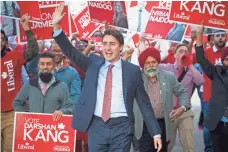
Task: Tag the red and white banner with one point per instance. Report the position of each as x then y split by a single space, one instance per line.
142 9
83 24
109 12
49 3
73 26
44 30
15 9
213 13
35 132
159 18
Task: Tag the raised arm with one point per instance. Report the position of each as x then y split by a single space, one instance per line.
67 48
33 48
208 68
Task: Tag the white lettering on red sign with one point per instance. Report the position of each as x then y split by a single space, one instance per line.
213 8
84 20
103 5
9 76
46 132
159 16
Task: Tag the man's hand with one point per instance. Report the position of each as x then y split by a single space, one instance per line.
200 30
128 53
91 44
25 22
58 16
57 115
199 33
174 114
193 35
158 143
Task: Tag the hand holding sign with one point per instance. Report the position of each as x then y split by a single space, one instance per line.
57 115
25 22
58 16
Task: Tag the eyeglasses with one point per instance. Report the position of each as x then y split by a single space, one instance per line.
220 35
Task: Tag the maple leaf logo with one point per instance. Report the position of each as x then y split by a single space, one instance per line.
158 36
61 126
183 13
26 143
4 75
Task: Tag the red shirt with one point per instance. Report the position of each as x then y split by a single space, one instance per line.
214 58
80 72
11 65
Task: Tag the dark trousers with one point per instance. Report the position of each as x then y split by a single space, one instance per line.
113 136
220 137
147 142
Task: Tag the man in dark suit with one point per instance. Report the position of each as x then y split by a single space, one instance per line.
105 107
217 115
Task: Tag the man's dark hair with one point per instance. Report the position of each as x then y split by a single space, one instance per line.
47 55
84 40
209 37
116 34
3 32
180 45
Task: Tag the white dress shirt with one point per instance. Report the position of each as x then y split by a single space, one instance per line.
118 108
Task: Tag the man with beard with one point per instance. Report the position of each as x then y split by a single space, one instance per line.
160 86
217 114
213 54
65 73
11 64
54 95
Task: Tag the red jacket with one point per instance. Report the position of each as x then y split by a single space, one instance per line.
11 65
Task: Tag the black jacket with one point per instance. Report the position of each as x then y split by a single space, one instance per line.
219 92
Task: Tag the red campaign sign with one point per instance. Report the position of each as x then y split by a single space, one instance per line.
45 29
150 4
73 26
159 18
23 7
188 31
35 132
49 3
83 24
110 12
213 13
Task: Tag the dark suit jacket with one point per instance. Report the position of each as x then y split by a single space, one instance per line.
133 87
219 92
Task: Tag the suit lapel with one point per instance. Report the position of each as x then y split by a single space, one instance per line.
145 80
96 68
163 87
125 76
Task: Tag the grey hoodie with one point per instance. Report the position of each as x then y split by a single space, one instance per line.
57 97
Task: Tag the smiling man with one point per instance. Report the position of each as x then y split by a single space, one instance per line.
105 107
46 94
